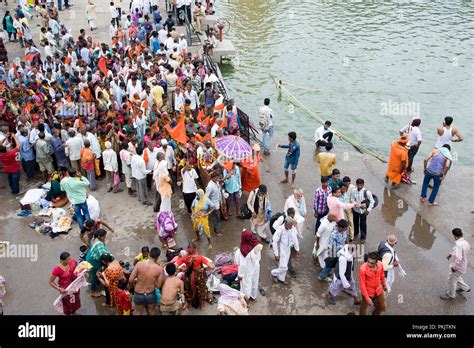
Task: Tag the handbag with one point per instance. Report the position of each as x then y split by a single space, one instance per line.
245 211
330 261
116 179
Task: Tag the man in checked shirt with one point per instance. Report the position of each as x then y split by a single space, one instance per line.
321 201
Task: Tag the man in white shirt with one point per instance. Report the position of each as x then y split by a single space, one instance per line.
73 149
189 176
149 156
414 139
266 125
85 55
283 240
111 168
161 167
215 127
328 224
126 158
139 173
178 99
183 44
113 29
323 135
162 35
133 87
169 156
191 94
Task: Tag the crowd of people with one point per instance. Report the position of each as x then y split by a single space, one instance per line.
143 113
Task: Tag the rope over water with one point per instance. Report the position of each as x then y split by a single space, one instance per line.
280 85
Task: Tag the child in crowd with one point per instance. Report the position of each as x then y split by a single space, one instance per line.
124 298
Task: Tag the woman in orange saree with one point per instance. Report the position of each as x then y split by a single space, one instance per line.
250 175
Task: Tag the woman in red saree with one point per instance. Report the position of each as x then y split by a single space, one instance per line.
195 289
250 174
65 274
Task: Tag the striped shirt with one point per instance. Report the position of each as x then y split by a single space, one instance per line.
321 200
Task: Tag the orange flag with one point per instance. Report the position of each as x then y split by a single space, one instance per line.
206 121
29 57
102 66
178 132
207 137
223 124
200 115
219 107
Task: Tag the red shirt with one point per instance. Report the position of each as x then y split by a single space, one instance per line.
371 281
198 260
123 301
10 162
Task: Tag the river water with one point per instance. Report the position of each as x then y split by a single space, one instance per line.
376 65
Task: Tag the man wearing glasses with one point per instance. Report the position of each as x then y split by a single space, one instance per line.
372 284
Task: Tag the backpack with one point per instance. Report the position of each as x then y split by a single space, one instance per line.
263 121
275 218
367 200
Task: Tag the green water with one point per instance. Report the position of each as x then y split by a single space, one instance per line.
376 65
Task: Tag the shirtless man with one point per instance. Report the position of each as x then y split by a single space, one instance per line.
169 304
149 275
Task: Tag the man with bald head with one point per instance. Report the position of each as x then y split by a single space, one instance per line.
328 224
390 260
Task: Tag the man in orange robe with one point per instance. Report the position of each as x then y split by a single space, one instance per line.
398 161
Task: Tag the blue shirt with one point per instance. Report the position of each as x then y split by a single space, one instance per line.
293 154
26 152
337 241
234 183
214 194
207 204
155 44
58 149
141 34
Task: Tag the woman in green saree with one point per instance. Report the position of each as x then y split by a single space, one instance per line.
96 250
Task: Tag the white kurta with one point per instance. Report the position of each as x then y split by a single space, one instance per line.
300 211
249 271
283 241
110 161
324 232
93 207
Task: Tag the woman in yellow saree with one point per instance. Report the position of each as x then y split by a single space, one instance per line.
202 207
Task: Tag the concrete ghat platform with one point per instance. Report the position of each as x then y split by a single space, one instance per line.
209 20
224 48
422 247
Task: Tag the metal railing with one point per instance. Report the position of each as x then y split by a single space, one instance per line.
249 131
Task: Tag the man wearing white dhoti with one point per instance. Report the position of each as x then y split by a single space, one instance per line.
284 239
297 201
328 224
344 275
390 260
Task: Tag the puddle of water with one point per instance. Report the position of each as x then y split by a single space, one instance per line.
400 215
